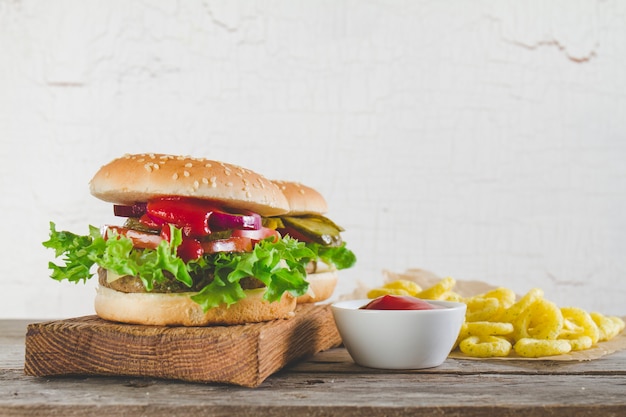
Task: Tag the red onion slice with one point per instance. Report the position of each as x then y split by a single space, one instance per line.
136 210
219 220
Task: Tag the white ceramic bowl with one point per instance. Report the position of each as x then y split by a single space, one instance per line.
398 339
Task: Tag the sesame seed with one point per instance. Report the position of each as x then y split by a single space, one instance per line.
151 155
208 165
148 167
196 184
248 194
229 184
301 191
186 173
188 165
205 181
155 166
175 176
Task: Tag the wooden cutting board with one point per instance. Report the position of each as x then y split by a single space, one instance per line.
242 355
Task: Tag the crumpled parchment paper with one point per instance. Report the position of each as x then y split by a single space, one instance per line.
427 279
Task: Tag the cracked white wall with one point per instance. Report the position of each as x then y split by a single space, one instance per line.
483 140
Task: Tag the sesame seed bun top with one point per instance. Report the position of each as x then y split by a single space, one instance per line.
138 178
302 199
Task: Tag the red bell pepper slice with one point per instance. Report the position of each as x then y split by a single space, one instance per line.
198 218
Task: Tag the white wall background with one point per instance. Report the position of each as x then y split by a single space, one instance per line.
478 139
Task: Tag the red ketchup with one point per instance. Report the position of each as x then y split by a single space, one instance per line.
398 302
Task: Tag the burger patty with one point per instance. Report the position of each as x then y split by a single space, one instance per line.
134 284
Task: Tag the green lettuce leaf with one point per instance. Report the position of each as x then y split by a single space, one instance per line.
339 256
279 265
79 253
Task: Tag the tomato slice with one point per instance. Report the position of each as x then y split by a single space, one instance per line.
140 240
257 235
191 248
232 244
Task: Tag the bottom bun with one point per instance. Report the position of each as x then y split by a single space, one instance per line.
177 309
321 287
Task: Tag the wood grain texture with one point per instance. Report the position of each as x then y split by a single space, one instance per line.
241 355
328 384
329 393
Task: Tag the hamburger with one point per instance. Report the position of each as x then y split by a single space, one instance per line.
306 222
200 244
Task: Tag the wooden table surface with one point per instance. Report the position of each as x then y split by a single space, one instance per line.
327 384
